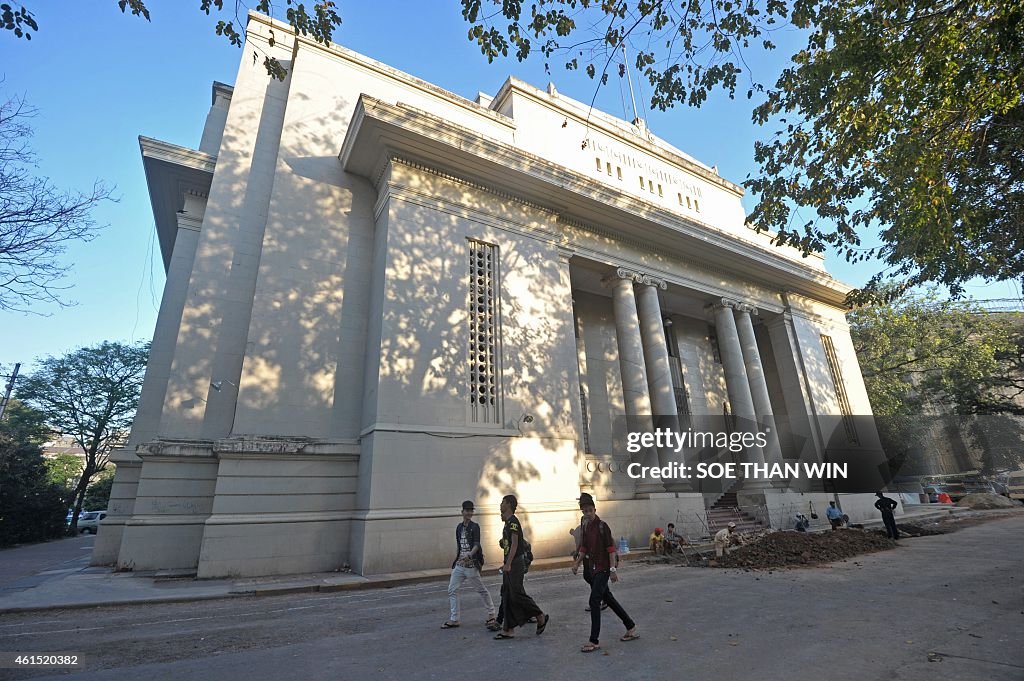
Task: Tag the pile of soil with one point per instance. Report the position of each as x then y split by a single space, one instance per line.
781 549
985 502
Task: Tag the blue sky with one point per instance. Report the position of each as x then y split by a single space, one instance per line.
99 79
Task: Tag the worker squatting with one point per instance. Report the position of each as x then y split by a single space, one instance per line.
732 470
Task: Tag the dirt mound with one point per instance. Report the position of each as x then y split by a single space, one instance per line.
984 502
780 549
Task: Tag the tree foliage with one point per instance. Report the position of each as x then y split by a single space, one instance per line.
939 368
90 394
318 22
97 496
904 119
64 470
37 220
31 507
920 349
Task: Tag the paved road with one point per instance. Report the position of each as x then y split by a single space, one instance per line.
936 607
23 567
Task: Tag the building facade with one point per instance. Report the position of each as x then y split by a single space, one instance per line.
383 299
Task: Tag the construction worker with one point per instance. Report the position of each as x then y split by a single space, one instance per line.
724 538
886 506
834 515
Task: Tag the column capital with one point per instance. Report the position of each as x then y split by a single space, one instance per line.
737 305
565 254
635 276
626 273
648 280
722 302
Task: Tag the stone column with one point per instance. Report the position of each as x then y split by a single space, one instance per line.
758 384
736 382
635 390
652 333
659 370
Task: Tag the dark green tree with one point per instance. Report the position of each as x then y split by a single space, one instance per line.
31 507
64 470
97 496
319 21
903 120
91 395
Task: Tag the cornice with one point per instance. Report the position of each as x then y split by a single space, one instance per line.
668 277
392 128
177 155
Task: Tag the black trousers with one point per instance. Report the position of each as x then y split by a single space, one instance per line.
599 591
516 605
890 525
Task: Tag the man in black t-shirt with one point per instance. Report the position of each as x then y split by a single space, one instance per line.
887 506
517 606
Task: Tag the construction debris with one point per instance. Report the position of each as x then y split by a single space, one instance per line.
984 502
781 549
912 530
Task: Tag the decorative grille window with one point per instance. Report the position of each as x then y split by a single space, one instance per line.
837 381
484 334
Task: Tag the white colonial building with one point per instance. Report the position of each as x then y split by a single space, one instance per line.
383 299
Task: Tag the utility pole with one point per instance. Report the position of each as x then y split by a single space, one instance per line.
8 389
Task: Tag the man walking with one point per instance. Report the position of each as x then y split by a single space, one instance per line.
517 606
887 506
598 547
466 568
588 574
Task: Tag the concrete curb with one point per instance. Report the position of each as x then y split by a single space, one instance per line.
114 603
295 587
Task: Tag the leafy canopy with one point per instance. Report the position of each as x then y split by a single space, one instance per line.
903 119
920 349
91 395
317 22
942 373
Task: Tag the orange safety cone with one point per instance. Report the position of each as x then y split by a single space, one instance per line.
944 498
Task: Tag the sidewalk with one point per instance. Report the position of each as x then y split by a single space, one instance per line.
101 586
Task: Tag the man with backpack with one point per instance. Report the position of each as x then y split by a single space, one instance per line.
469 558
598 547
517 606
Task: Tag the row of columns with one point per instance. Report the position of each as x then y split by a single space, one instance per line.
647 375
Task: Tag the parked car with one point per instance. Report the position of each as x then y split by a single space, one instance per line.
956 492
90 521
